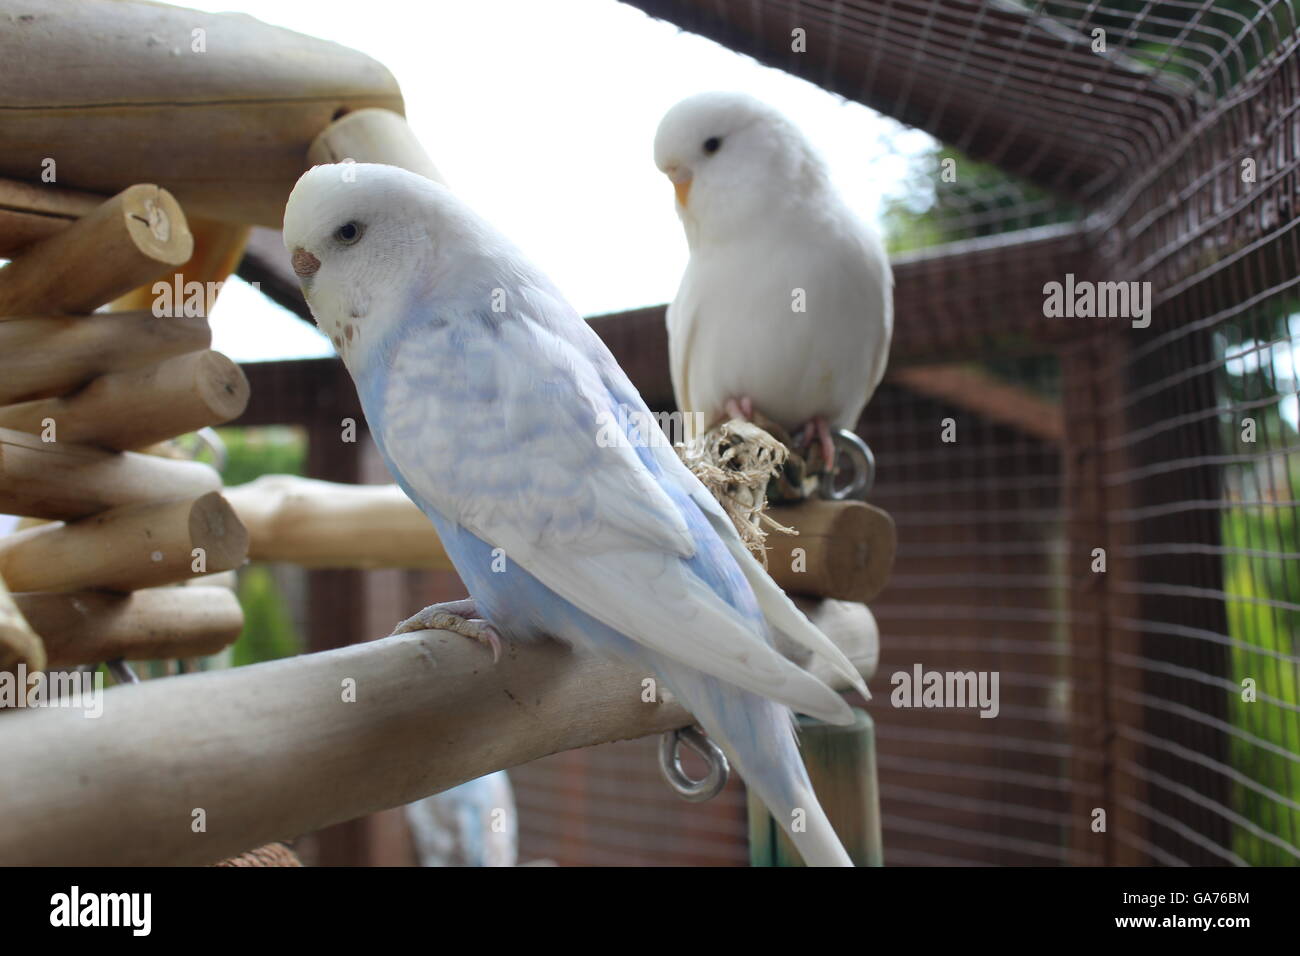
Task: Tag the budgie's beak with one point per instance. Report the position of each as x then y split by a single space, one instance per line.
681 180
304 263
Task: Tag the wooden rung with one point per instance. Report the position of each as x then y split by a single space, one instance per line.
54 355
125 549
87 627
138 407
847 549
62 481
126 242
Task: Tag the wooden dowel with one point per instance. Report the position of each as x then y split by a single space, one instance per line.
844 549
127 241
62 481
322 524
87 627
274 750
18 642
128 548
373 136
43 357
138 407
30 213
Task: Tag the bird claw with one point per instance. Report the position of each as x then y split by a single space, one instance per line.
454 616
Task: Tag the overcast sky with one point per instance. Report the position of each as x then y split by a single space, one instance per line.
541 115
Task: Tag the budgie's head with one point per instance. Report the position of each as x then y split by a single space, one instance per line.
731 158
367 241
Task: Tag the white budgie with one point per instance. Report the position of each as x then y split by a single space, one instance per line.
786 305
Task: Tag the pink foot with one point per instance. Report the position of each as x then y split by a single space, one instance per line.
742 408
818 431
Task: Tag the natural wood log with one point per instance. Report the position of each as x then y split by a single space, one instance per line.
125 242
87 627
274 750
61 481
373 136
138 407
31 212
222 117
323 524
42 357
844 549
18 642
124 549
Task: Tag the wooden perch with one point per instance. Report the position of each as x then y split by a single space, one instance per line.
373 136
43 357
138 407
127 241
274 750
61 481
18 642
124 549
30 213
846 549
218 108
87 627
321 524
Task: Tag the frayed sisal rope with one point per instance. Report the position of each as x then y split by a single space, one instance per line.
735 460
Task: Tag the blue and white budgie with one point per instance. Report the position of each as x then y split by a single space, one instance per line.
786 304
491 401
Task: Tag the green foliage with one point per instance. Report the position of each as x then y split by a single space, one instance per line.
1262 583
980 200
252 452
268 628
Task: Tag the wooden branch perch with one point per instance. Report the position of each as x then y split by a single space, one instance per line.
128 241
323 524
61 481
87 627
273 750
141 406
848 547
43 357
126 548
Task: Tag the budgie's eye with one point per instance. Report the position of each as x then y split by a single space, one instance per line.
713 144
349 232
